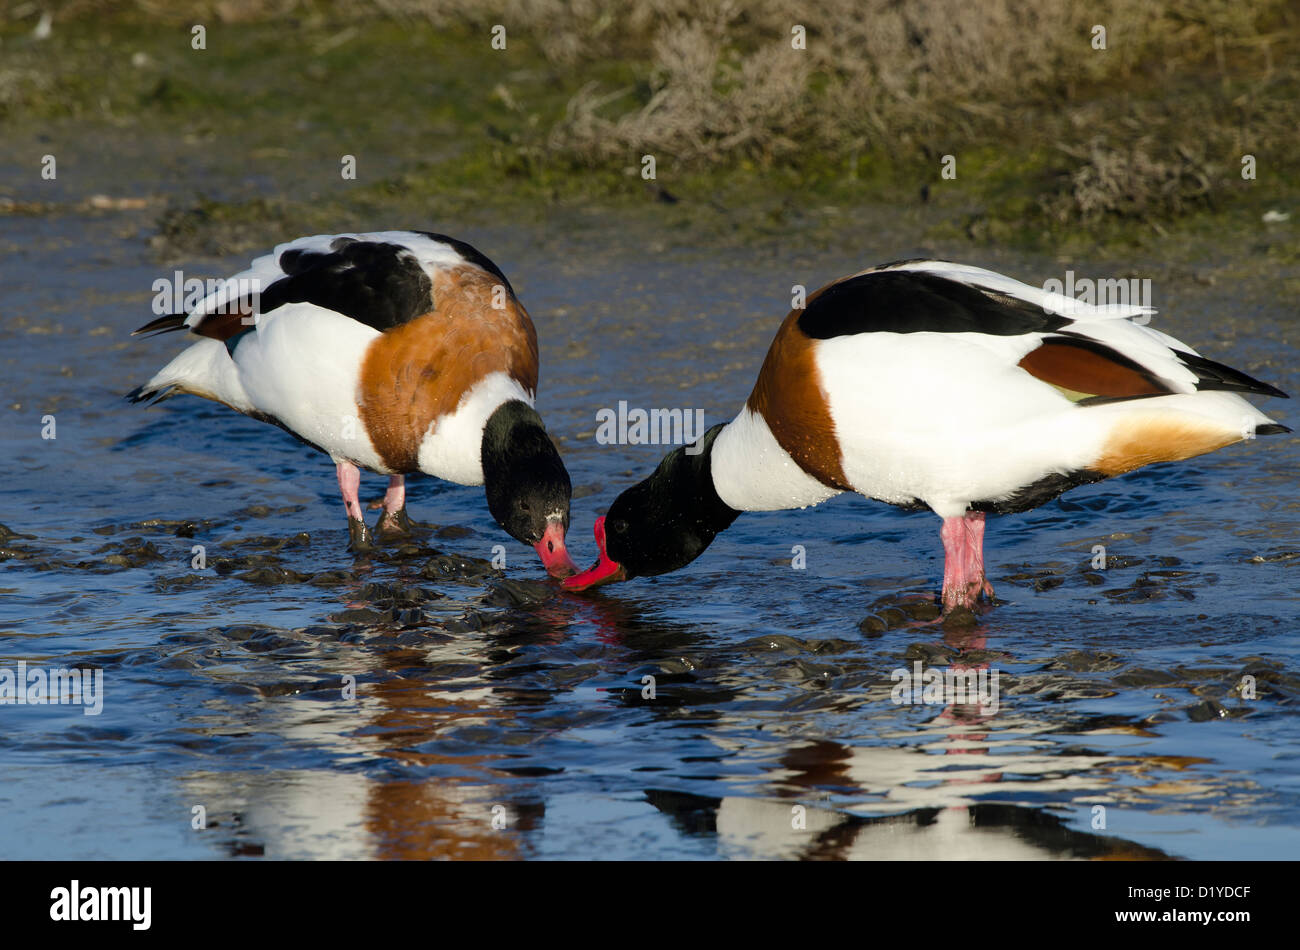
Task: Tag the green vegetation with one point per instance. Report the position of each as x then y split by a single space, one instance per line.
1054 143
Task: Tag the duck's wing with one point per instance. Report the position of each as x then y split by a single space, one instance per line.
1092 353
382 279
377 281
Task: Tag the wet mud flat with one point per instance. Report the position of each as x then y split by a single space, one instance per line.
422 702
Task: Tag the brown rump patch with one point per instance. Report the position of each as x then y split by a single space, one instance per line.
1141 440
790 398
1086 368
416 373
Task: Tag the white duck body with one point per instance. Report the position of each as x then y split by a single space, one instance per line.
956 419
321 367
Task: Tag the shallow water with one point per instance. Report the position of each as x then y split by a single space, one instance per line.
497 717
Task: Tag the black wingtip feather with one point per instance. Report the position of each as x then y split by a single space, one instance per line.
141 394
167 324
1212 375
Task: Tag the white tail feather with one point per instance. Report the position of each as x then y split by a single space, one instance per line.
203 369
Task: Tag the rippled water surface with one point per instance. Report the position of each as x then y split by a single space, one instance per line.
497 717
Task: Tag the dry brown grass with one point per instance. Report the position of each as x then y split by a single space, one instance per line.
705 100
717 81
926 77
1130 183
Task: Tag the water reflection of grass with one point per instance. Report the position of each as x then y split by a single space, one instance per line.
1053 140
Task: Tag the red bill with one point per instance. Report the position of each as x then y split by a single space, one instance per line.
555 558
605 571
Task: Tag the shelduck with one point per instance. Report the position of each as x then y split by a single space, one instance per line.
393 351
933 385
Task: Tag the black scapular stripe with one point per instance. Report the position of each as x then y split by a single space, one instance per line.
915 302
379 284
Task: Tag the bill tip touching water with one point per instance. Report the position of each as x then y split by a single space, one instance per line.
605 571
935 386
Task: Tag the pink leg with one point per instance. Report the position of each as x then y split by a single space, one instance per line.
975 536
953 534
349 484
395 497
963 561
393 523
